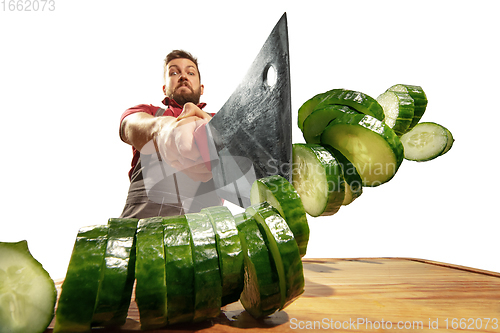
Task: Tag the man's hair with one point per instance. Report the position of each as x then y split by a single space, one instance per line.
176 54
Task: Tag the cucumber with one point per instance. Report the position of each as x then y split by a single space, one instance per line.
357 100
450 141
180 270
398 109
419 100
151 288
27 293
318 179
316 122
425 142
281 194
75 307
118 274
261 295
284 250
308 107
229 251
372 146
207 281
353 182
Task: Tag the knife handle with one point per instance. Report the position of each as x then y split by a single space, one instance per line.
200 138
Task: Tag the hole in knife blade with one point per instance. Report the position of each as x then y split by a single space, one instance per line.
270 76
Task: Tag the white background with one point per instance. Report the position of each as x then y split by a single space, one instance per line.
67 75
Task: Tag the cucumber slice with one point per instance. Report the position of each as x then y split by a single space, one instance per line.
151 288
398 109
27 293
208 286
372 146
229 250
118 274
284 250
308 107
75 307
353 182
261 295
425 142
357 100
419 100
316 122
281 194
180 270
450 141
318 179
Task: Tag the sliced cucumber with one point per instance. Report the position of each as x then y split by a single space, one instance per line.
284 250
27 293
398 109
357 100
316 122
281 194
180 270
372 146
353 182
318 179
419 100
208 286
75 307
261 295
229 250
425 142
118 274
151 288
450 141
308 107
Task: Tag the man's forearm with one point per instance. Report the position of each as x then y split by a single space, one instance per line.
138 129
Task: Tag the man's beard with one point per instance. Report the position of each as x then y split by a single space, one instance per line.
186 97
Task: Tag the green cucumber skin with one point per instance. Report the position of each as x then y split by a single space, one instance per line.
355 123
308 107
208 284
333 176
419 99
151 289
359 101
317 121
230 254
118 274
353 182
179 270
293 211
406 111
261 294
76 303
279 237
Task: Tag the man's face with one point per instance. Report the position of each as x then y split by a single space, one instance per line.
182 81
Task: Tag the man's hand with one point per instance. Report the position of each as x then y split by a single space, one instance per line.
176 143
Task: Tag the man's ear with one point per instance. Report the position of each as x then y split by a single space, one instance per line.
164 90
202 88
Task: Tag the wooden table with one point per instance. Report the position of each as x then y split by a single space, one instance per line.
368 295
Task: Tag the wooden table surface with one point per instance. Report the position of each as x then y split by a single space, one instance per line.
368 295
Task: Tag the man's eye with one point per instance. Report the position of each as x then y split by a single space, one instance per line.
173 73
191 73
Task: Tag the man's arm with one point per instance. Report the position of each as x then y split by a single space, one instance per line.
138 130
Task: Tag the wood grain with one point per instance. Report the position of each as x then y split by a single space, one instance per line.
370 294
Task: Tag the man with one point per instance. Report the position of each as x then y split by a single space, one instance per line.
168 176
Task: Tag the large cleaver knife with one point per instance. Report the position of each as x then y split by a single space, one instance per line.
251 135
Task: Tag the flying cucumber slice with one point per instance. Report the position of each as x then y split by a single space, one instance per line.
118 274
316 122
318 179
229 250
179 269
372 146
151 288
207 280
419 100
353 182
261 295
425 142
27 293
284 250
450 141
281 194
398 109
308 107
359 101
75 307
